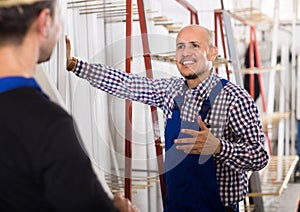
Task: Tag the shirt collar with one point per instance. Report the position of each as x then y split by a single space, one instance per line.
10 83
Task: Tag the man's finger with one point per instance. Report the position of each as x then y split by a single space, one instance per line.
201 123
118 196
68 46
67 39
193 133
193 151
185 141
185 147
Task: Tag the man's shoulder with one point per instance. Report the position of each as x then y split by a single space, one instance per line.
30 103
234 90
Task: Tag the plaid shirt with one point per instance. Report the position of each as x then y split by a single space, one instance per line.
234 118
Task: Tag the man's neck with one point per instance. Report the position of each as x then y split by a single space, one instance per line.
193 83
14 63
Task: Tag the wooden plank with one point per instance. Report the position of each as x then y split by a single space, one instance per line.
273 118
260 70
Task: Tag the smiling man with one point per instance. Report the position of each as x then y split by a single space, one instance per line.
213 132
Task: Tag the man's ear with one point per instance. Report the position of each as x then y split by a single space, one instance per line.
44 20
212 54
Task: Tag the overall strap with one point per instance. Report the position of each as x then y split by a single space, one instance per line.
178 100
208 102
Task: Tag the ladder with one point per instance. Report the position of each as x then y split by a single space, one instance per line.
154 114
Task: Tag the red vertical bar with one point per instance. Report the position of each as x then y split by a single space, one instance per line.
128 34
194 18
223 41
197 18
222 5
251 64
148 66
216 32
128 107
258 63
262 94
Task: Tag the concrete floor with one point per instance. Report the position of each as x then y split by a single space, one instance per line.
286 202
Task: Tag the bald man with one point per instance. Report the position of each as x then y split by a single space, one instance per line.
213 132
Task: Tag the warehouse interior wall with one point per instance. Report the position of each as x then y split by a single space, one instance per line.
101 117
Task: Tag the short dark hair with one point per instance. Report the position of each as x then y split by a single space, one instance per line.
15 21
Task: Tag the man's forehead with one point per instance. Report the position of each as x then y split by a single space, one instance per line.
11 3
188 36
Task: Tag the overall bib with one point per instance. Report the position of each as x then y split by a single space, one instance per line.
190 179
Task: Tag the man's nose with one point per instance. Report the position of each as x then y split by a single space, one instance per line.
186 51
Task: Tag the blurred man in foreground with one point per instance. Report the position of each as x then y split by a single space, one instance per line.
42 164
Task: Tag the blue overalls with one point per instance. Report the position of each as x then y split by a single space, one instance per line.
190 179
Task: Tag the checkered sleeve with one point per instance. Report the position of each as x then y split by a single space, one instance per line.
248 152
122 84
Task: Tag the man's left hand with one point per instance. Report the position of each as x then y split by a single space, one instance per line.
201 142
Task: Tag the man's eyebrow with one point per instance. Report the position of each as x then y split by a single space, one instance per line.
192 42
